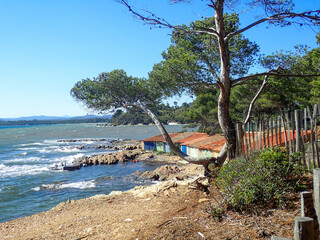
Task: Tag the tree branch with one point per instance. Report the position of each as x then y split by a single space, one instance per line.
263 85
154 20
281 16
242 80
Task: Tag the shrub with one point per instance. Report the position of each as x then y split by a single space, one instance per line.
265 178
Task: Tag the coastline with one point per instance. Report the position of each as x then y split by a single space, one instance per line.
173 208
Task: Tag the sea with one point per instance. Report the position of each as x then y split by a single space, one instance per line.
28 185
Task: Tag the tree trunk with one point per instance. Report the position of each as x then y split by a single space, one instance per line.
227 126
224 83
163 131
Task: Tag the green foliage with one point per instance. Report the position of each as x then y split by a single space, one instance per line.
192 61
263 179
204 111
115 89
165 112
132 116
292 92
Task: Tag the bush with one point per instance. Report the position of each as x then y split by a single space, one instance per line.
265 178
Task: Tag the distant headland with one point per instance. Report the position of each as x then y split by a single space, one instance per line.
47 120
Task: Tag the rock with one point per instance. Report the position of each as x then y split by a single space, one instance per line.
152 175
168 172
115 193
99 196
201 183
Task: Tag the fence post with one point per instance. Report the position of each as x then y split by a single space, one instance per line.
271 142
239 139
260 134
315 110
316 190
298 129
276 131
307 210
253 137
303 228
289 133
294 133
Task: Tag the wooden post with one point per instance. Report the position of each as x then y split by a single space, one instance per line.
271 124
276 131
264 134
303 132
316 190
260 135
284 125
303 228
307 210
294 134
306 139
268 133
253 139
239 139
289 134
298 130
246 140
280 138
315 110
312 138
257 135
307 204
249 137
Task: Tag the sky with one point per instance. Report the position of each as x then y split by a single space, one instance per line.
48 46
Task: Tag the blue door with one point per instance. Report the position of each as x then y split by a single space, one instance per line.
149 146
166 148
184 149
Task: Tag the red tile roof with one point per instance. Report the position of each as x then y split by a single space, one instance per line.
159 138
195 136
193 139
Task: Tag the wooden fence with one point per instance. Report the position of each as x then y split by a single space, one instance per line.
306 226
297 131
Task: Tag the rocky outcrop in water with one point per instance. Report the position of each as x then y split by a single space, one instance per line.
110 158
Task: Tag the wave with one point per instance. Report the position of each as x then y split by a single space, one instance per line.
27 148
68 159
31 144
23 160
36 189
78 185
21 170
57 149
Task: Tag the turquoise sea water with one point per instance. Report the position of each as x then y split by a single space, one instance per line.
28 186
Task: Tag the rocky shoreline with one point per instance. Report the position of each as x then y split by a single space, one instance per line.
125 150
178 206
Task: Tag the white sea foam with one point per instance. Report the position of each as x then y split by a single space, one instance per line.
21 170
23 160
32 144
27 148
78 185
36 189
52 142
58 149
68 159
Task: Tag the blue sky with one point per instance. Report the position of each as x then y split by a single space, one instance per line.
47 46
